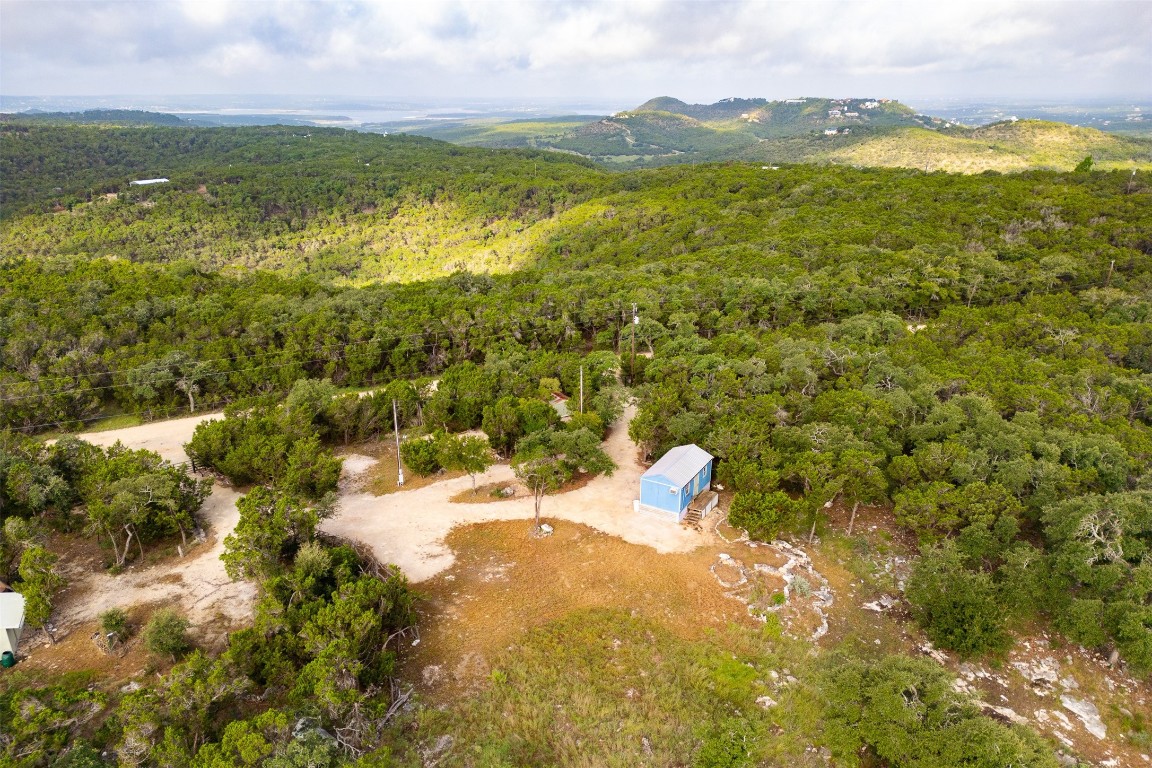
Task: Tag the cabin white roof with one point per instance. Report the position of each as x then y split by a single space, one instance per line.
143 182
680 464
11 610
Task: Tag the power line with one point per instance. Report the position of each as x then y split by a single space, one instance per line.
342 354
436 338
438 335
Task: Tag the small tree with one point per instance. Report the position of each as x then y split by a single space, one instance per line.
542 472
39 584
467 453
420 456
546 460
960 609
271 526
166 634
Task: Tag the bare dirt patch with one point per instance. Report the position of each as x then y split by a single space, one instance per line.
504 582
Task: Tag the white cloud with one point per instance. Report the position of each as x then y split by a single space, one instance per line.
506 47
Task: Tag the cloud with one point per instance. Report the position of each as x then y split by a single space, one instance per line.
511 47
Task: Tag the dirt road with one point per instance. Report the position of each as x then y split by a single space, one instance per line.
409 528
197 583
166 438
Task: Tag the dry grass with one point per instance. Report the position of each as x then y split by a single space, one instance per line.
505 582
487 494
381 478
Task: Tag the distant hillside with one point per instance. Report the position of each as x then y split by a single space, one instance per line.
1014 146
856 131
324 200
96 116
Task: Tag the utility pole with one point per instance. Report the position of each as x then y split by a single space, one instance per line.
635 322
396 431
581 389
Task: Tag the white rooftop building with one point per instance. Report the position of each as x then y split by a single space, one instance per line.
11 620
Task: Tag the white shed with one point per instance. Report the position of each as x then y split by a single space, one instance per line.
11 620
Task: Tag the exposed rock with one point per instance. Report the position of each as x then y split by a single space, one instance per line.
431 674
1088 714
884 603
934 653
545 529
1006 714
766 701
1042 672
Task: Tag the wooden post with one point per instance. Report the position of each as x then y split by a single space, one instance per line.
581 389
635 322
396 431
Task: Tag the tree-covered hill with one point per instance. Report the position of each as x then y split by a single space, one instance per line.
109 117
873 132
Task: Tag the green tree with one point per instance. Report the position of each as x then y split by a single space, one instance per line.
902 711
546 460
271 527
39 583
959 608
165 634
421 456
763 514
467 453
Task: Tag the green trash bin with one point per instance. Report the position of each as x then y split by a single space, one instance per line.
7 660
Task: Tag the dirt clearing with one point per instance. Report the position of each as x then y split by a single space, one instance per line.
409 528
504 582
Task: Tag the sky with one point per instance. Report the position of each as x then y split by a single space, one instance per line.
625 51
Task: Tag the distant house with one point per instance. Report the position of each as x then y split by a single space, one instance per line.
11 620
830 131
146 182
679 485
559 403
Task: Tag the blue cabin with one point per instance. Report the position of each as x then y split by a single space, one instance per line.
679 483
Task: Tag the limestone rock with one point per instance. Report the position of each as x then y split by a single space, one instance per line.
1088 714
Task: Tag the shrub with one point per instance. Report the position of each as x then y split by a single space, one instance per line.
960 609
114 625
763 515
421 456
165 634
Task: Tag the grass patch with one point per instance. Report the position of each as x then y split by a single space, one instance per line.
487 493
382 477
601 687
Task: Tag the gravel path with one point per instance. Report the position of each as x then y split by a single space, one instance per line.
408 528
166 438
